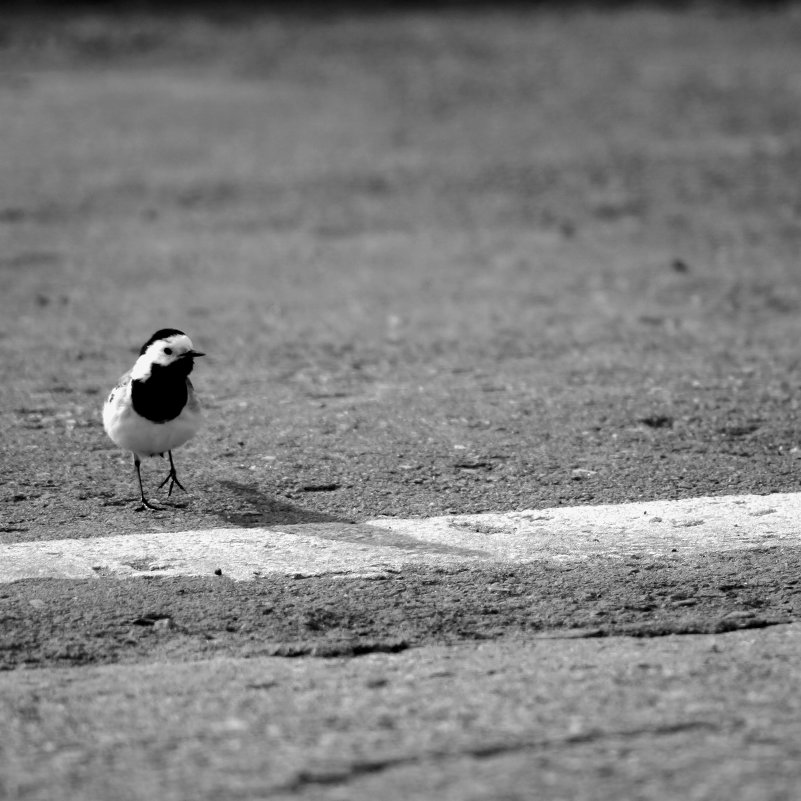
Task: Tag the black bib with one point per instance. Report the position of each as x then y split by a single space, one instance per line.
162 397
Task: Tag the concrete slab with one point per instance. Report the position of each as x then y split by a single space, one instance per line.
561 534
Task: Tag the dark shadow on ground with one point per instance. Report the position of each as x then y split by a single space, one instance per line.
264 511
260 510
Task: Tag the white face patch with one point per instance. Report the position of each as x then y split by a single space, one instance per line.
162 352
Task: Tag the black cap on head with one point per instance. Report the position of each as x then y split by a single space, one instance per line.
160 334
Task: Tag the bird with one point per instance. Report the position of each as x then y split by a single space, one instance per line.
153 408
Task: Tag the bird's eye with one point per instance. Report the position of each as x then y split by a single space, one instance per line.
168 351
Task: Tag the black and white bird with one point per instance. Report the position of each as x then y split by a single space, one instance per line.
153 408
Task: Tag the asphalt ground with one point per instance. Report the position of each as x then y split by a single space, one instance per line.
577 719
442 262
438 261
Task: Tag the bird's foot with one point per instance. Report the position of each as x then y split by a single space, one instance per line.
173 479
146 505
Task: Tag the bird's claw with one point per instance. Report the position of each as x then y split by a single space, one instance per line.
147 505
173 479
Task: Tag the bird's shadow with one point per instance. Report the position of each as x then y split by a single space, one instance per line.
264 511
260 510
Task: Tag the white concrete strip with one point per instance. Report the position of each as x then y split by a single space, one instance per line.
697 525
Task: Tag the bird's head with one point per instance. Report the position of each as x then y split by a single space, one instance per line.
167 349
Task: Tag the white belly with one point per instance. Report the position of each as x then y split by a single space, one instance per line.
143 437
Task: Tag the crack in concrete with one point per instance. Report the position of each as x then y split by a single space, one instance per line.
356 770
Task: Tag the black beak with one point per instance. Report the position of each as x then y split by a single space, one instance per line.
192 353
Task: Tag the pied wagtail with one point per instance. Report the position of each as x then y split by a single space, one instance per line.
153 408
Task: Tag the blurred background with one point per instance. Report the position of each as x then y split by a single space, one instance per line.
443 256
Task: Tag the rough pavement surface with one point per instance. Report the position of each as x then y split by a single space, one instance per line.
80 622
587 720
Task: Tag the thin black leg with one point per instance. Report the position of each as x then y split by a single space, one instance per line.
145 503
172 477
